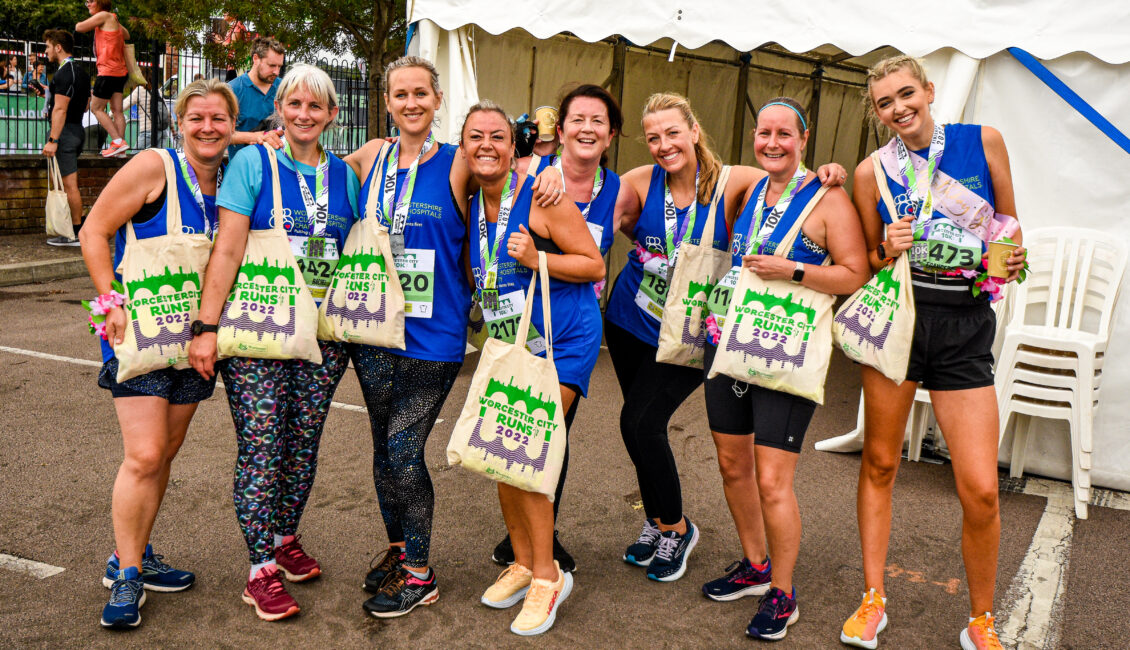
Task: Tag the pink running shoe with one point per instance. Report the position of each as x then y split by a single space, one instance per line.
295 564
268 595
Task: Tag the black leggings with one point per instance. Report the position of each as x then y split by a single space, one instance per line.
652 392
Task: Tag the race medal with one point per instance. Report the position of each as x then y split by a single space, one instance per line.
396 241
489 298
394 209
316 247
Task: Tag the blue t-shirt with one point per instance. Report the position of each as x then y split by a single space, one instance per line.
254 106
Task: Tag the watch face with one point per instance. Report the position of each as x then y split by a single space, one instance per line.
196 327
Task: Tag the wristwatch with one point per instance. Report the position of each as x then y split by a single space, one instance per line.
52 140
198 327
798 273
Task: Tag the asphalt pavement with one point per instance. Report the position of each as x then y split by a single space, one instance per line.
60 449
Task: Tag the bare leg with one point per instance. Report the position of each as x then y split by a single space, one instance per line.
736 462
98 107
118 117
775 470
886 408
74 198
968 419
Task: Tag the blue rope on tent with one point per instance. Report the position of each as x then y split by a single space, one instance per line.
409 36
1068 95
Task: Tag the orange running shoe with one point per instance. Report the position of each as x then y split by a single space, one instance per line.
863 628
981 635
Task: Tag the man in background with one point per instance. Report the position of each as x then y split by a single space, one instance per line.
70 94
255 91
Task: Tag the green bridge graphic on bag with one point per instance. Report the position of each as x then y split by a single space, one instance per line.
164 309
861 317
520 426
265 298
691 301
358 282
775 329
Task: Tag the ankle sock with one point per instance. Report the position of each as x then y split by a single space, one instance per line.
256 568
761 567
423 576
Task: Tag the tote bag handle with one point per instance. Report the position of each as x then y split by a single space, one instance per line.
528 311
172 200
375 183
790 237
276 192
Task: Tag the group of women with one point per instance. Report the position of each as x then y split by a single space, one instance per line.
480 217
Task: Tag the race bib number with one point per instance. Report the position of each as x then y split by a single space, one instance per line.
317 270
719 300
502 323
416 269
597 232
947 247
652 294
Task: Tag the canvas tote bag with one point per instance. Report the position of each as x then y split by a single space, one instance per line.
57 209
270 313
364 302
512 428
682 332
876 325
163 278
778 335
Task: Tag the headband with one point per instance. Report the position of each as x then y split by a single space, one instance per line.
803 124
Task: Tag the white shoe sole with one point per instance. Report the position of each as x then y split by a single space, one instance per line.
552 614
683 568
755 590
135 623
785 630
509 602
860 643
634 562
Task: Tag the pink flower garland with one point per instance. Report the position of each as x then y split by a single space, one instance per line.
712 329
101 306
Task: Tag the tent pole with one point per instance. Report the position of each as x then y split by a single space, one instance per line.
533 69
739 110
863 133
814 113
615 84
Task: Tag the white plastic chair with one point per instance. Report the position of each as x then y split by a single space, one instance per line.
1055 341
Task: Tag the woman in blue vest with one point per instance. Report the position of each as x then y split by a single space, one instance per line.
951 352
659 208
422 200
279 406
511 230
154 410
758 432
590 118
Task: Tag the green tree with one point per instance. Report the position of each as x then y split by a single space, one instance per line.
27 19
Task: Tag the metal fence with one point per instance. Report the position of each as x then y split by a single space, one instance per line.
24 123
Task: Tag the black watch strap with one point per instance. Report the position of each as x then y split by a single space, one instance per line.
51 140
199 327
881 251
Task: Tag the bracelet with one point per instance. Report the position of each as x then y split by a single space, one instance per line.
101 306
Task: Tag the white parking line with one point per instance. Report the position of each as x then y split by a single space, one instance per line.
30 567
87 362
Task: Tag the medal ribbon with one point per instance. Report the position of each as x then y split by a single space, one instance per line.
318 204
921 192
597 183
670 218
763 228
189 175
489 258
397 218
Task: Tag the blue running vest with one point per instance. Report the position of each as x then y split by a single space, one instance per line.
601 215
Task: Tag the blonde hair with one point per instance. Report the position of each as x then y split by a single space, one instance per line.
314 80
710 166
887 66
413 62
203 88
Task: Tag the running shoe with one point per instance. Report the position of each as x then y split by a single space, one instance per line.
539 610
63 241
510 587
155 574
268 595
641 552
387 565
401 593
863 628
741 579
127 595
294 562
504 554
671 553
775 613
981 634
116 148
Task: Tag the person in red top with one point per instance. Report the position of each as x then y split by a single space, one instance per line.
109 48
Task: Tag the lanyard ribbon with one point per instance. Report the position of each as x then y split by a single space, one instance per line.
317 204
396 218
670 218
189 175
763 229
489 258
597 183
920 194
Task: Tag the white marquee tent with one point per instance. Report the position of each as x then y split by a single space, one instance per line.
1065 169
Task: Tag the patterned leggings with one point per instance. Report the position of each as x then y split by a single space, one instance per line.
404 397
279 409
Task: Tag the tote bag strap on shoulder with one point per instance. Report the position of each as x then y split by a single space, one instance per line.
790 237
719 190
172 199
276 191
542 275
884 189
375 189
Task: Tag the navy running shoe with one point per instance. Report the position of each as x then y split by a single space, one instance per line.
775 613
741 579
671 553
642 550
127 595
155 574
401 593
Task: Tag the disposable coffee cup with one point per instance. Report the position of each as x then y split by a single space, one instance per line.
999 252
547 122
